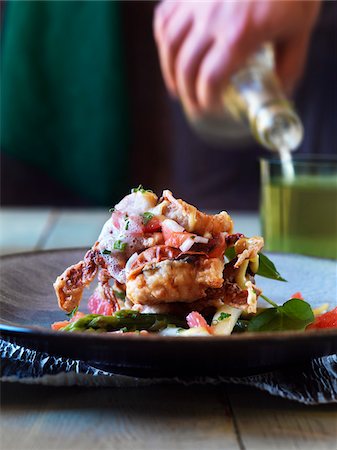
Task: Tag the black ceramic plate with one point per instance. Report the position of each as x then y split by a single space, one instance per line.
28 307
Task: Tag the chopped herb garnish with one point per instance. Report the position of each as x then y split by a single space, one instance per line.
119 245
106 252
73 312
140 189
223 316
120 295
147 216
124 330
127 223
111 210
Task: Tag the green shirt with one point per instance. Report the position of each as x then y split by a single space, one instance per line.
63 96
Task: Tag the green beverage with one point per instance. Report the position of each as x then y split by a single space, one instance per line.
299 215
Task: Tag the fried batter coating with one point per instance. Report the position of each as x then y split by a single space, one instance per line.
175 281
70 284
195 221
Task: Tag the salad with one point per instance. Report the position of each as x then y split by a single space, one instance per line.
164 267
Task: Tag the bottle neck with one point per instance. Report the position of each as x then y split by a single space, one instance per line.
277 126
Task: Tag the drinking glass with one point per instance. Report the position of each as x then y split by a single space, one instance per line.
298 206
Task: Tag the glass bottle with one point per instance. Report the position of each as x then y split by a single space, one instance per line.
254 104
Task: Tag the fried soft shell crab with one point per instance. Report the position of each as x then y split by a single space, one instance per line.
164 256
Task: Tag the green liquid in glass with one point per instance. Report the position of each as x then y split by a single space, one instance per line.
301 216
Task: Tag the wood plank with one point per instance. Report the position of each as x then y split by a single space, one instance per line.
157 417
21 228
265 422
76 228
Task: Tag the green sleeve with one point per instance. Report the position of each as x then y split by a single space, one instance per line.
64 96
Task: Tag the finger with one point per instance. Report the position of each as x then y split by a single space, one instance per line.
187 64
162 14
169 43
290 61
214 73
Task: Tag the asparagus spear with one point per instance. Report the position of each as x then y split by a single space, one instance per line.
126 320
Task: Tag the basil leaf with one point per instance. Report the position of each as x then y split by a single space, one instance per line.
147 216
268 320
295 314
230 253
298 310
106 252
267 269
241 326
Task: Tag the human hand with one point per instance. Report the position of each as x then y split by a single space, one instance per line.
202 44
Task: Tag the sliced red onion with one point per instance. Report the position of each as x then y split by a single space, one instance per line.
173 226
186 245
201 240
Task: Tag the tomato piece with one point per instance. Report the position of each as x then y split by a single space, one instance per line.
217 246
99 305
176 239
59 325
153 225
297 295
195 319
327 320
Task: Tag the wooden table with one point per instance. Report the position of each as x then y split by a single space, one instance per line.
160 417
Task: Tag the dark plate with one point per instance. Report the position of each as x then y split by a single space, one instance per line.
28 307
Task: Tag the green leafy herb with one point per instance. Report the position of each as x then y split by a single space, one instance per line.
147 216
223 316
295 314
230 253
111 210
127 223
73 312
119 245
106 252
267 269
241 326
140 189
119 294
